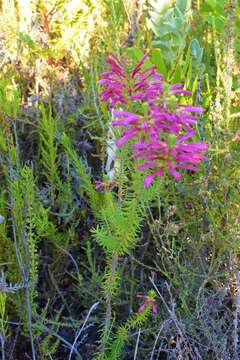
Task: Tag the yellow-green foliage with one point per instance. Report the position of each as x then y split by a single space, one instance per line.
84 177
137 320
119 226
24 210
48 149
59 29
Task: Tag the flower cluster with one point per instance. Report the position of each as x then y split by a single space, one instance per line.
149 112
148 300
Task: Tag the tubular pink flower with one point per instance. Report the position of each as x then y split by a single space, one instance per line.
190 108
129 134
149 179
181 91
172 170
146 166
139 65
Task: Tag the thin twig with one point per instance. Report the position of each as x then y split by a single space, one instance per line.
2 345
68 344
235 318
137 343
109 295
155 342
93 307
171 312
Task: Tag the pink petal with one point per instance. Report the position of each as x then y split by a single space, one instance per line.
187 167
125 122
123 113
190 108
98 185
142 307
181 91
146 166
149 179
192 147
172 170
154 308
175 86
158 76
139 296
139 64
186 136
139 146
126 136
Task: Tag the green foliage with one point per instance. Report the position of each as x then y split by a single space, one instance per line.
84 177
24 210
118 227
48 344
3 318
173 58
9 99
137 320
48 149
170 28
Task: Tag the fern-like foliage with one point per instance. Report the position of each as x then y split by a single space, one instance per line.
24 213
119 226
49 150
84 177
116 346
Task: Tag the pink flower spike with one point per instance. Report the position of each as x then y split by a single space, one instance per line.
161 134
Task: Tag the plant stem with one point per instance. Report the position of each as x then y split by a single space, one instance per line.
109 295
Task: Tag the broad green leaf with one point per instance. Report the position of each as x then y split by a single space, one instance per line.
157 59
195 48
183 5
186 63
177 72
195 84
189 75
